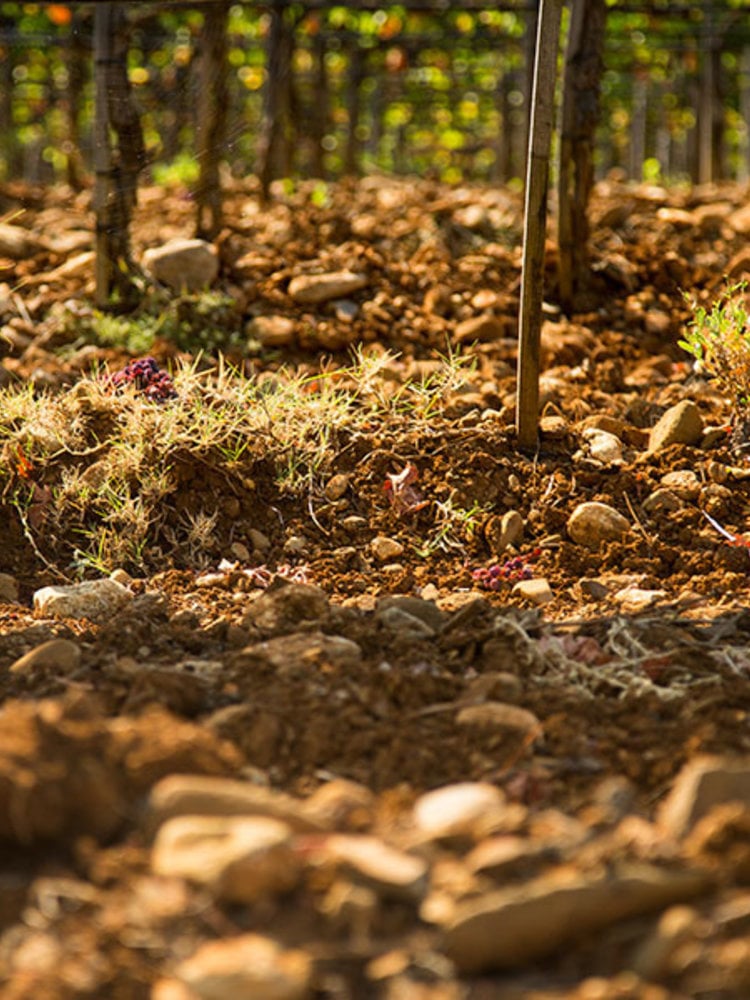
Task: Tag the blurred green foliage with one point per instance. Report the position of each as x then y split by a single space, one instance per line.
441 91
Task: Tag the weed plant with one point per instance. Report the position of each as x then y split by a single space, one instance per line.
719 339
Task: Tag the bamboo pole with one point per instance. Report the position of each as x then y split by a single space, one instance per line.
535 219
103 38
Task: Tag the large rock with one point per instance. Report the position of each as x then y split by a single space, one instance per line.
282 608
300 654
484 328
97 600
680 424
248 967
393 874
198 795
16 242
240 859
271 331
57 656
184 265
8 588
592 523
455 810
312 289
701 785
514 926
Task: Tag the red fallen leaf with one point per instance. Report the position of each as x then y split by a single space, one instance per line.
405 498
24 465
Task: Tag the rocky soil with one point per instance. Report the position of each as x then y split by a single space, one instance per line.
366 745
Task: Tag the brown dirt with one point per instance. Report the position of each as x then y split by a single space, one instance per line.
175 683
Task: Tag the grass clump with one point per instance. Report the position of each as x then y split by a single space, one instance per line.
208 322
101 480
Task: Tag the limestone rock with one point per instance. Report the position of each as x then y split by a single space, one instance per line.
16 242
240 859
247 967
602 446
592 523
683 482
391 873
500 532
739 220
514 926
482 328
403 624
501 717
418 607
8 589
184 265
680 424
300 653
701 785
632 600
198 795
385 549
93 599
271 331
537 590
312 289
337 486
281 609
455 810
56 656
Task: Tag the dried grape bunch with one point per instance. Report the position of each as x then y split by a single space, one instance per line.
495 577
146 377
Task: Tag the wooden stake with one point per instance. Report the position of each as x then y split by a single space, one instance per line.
535 221
103 36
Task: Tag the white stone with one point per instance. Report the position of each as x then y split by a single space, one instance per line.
385 549
635 599
680 424
592 523
247 967
16 242
392 873
602 446
184 265
515 926
240 859
683 482
312 289
701 785
537 590
56 656
199 795
271 331
456 809
93 599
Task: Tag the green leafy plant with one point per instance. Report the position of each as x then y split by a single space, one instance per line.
719 339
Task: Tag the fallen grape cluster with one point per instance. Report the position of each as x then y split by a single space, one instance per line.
146 377
512 570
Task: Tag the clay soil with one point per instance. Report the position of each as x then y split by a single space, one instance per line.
636 665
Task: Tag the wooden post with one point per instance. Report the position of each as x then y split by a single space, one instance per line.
103 39
535 219
580 114
211 131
